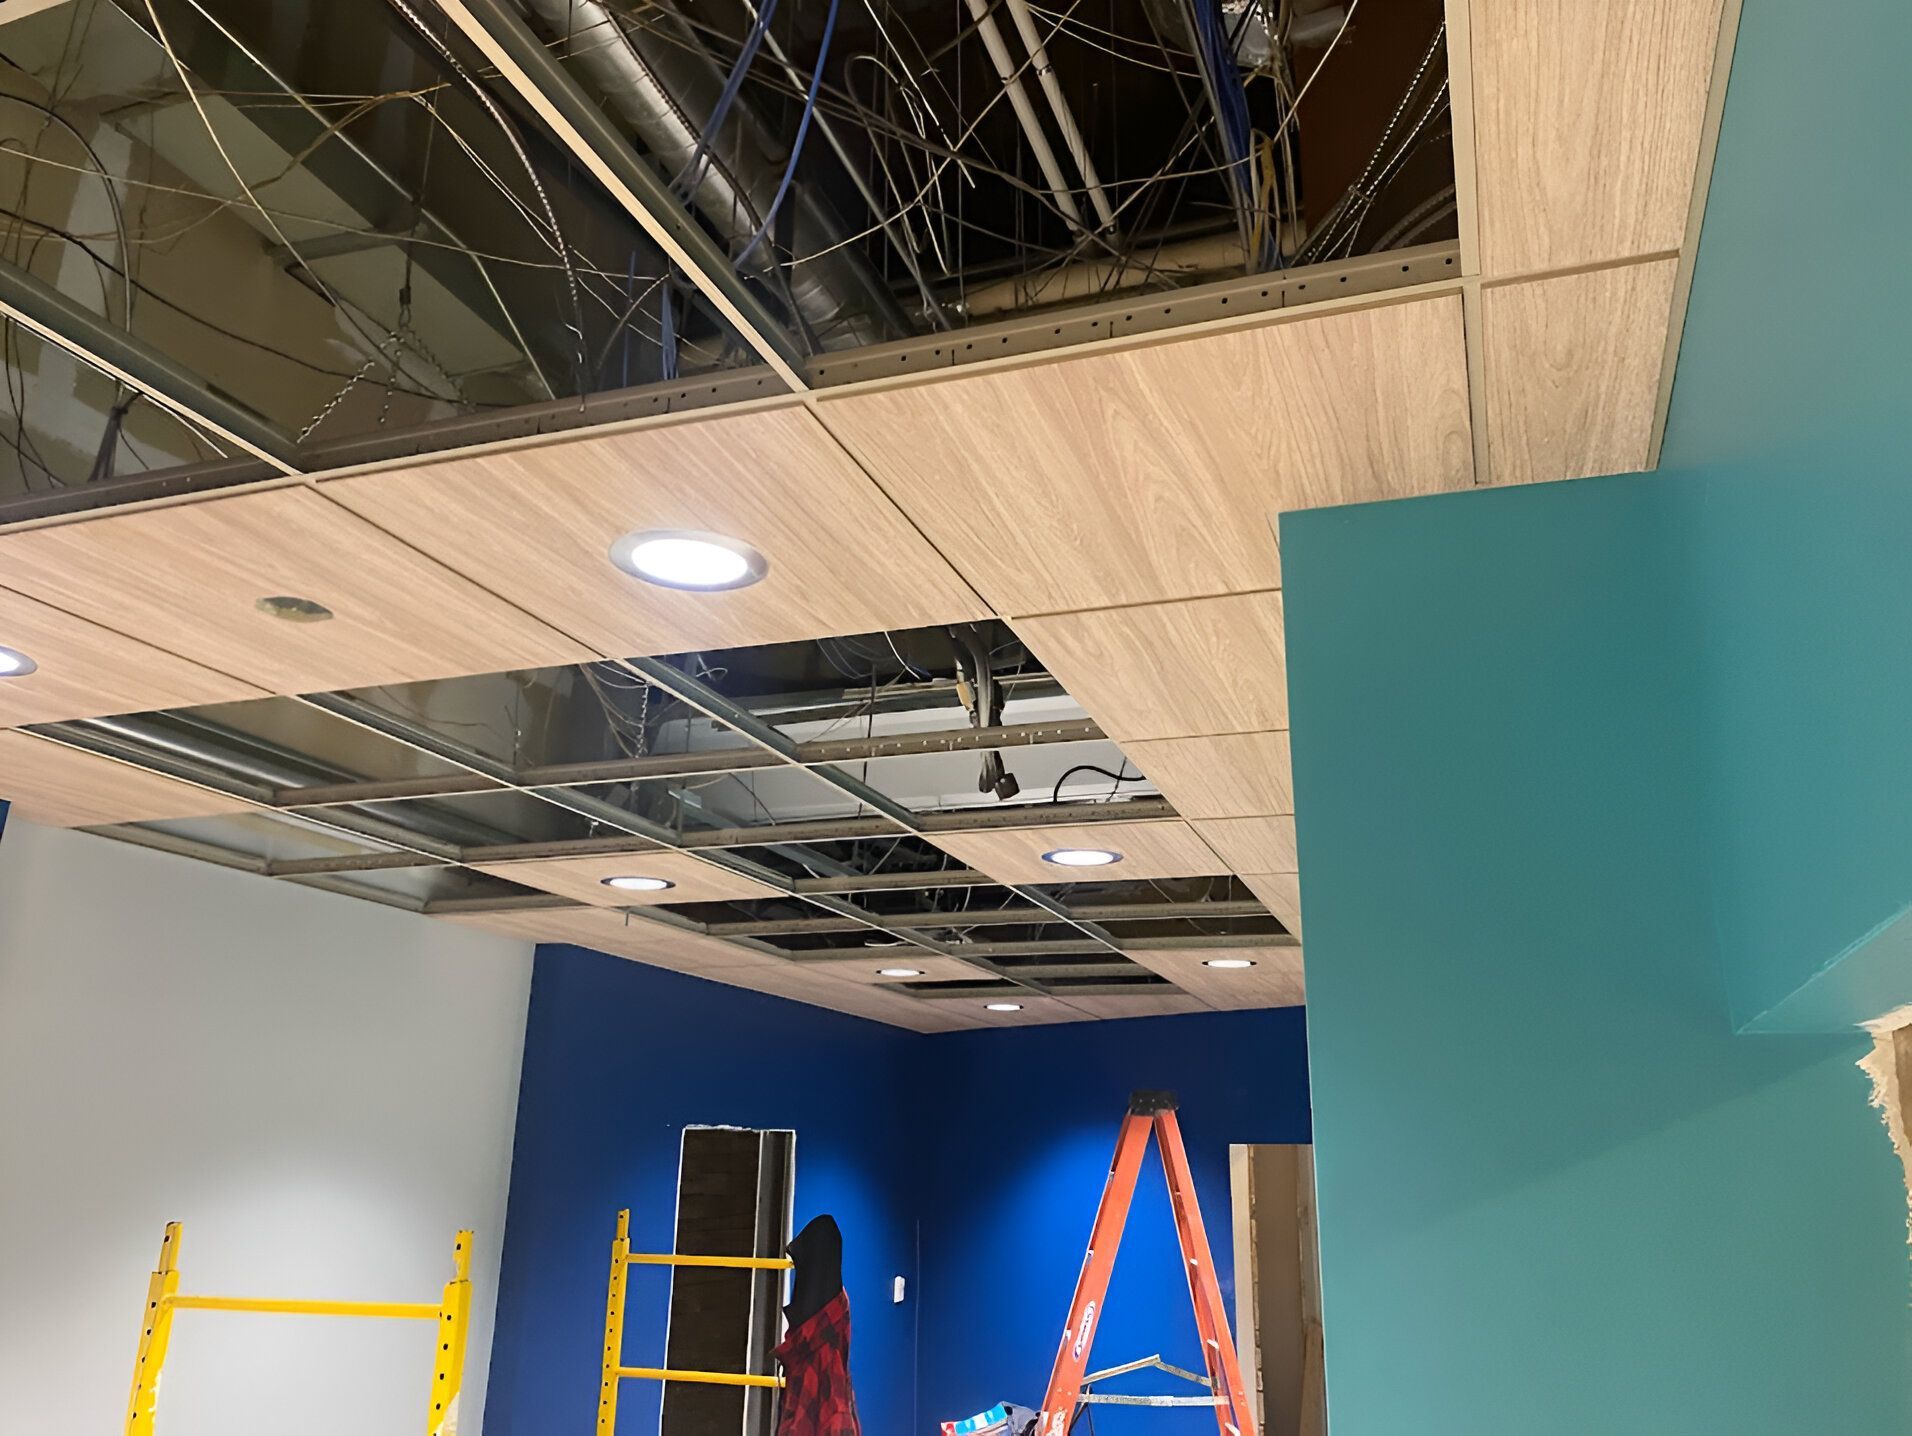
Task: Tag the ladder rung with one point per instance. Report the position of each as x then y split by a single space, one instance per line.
706 1378
405 1310
742 1263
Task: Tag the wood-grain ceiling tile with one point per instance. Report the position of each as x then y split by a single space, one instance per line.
803 982
639 939
1164 849
1573 371
189 579
86 671
1115 1006
1235 775
1197 668
1280 893
1155 472
1274 981
1587 123
582 879
1252 845
537 525
63 787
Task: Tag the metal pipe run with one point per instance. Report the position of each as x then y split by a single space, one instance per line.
1025 19
1005 64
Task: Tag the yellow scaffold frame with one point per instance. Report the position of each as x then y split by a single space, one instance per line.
452 1313
622 1260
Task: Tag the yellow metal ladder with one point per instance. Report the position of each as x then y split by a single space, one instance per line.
452 1315
622 1260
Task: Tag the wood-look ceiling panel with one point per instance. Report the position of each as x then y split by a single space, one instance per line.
1235 775
189 579
801 982
86 671
1280 893
639 939
1155 473
1137 1004
537 525
1274 981
582 879
1165 849
65 788
1573 371
1252 845
1197 668
1587 122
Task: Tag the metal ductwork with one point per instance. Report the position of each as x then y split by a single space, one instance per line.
666 91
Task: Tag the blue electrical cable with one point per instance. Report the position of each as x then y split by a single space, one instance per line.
803 128
686 181
667 338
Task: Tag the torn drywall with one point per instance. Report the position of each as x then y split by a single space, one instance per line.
1889 1065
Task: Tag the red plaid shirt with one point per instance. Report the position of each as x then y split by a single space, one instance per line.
815 1355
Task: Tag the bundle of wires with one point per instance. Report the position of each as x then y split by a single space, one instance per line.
1215 50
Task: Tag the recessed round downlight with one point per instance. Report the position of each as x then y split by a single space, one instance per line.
899 972
293 609
683 558
1229 962
1082 857
15 664
1003 1006
636 884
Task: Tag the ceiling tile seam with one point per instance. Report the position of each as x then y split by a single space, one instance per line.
201 665
869 477
1568 271
1259 592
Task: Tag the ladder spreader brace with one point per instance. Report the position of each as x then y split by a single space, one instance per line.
1148 1112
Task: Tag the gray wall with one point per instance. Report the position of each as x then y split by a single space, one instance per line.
323 1090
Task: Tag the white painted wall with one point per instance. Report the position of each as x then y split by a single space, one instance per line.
320 1088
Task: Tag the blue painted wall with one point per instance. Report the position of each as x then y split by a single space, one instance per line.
987 1149
1557 1194
619 1058
1025 1123
1791 420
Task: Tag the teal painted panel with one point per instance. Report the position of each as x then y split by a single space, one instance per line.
1793 405
1557 1194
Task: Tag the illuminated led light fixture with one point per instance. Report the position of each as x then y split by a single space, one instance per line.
1003 1006
15 664
638 884
682 558
899 972
1082 857
1229 962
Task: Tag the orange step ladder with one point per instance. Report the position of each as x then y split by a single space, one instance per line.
1149 1112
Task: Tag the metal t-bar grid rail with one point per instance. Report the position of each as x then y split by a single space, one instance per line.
452 1313
614 1371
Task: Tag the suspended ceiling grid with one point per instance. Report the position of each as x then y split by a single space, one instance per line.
1135 550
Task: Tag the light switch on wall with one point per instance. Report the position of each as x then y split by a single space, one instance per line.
896 1293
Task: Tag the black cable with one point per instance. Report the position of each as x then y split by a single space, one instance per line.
1056 796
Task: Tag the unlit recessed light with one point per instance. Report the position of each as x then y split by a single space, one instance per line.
1229 962
15 664
680 558
1003 1006
1082 857
293 610
638 884
899 972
